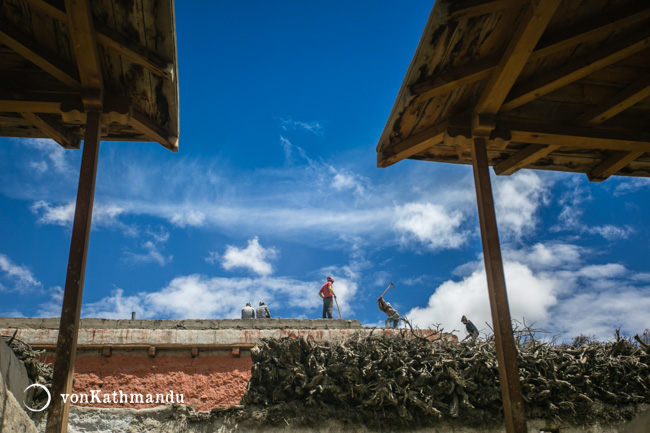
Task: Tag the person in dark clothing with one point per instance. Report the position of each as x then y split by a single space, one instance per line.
327 294
263 311
393 315
472 331
248 312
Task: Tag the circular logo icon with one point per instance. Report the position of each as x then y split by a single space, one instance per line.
47 391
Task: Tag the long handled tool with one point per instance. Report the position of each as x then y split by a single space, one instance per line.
337 307
389 286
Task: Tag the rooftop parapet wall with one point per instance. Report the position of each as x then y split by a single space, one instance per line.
175 334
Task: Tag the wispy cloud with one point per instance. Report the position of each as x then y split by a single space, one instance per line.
573 202
254 257
315 127
153 249
15 277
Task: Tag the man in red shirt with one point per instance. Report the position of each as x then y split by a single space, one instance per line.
327 293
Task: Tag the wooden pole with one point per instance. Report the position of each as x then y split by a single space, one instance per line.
66 347
513 404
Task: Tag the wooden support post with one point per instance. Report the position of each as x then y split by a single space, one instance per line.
66 347
513 404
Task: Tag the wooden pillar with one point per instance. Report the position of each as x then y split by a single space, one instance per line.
513 404
66 347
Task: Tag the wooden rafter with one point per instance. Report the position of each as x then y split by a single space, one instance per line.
84 44
26 47
112 39
53 129
465 9
412 145
146 126
136 53
530 29
596 60
576 136
523 158
451 80
612 165
29 106
617 103
589 30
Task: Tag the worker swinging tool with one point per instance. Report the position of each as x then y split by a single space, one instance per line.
393 315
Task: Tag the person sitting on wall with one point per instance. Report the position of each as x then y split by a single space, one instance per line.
393 315
248 312
263 311
472 331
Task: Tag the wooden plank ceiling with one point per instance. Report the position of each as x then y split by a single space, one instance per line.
552 84
128 70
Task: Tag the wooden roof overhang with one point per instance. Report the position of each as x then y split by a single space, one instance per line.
86 70
60 58
553 86
545 84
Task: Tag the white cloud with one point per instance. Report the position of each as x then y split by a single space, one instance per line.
529 297
16 277
431 225
254 258
551 286
517 199
50 150
630 185
153 254
63 215
117 306
201 297
191 218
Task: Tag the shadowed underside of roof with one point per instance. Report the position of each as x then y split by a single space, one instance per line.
557 84
45 83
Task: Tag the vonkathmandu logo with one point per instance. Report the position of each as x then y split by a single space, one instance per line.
116 397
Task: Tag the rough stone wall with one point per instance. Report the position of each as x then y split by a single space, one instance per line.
178 419
13 419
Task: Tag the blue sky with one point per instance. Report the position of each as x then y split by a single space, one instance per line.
275 187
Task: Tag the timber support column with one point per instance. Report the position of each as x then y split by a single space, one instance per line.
66 347
513 404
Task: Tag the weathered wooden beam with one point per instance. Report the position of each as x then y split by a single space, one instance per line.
155 132
412 145
465 9
135 52
54 11
554 42
523 158
618 103
27 106
462 76
513 403
53 129
530 28
591 29
57 419
114 40
30 50
84 45
594 61
612 165
576 136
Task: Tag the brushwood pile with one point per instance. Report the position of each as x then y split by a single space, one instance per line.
411 379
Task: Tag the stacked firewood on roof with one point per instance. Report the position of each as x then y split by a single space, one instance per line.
414 377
